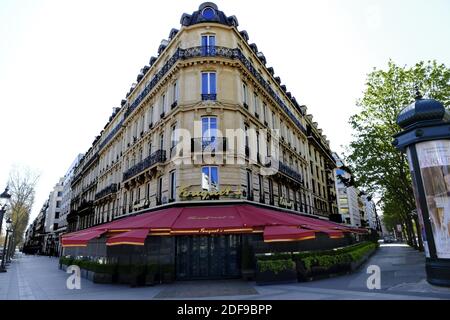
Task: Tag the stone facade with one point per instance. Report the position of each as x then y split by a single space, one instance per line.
206 115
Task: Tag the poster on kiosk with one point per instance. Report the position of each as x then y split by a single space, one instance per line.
434 163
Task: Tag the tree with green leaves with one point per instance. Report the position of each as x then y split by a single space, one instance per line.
377 165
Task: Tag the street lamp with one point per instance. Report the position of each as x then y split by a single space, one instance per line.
11 248
426 140
4 196
8 230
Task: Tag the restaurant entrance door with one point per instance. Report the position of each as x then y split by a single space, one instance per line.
208 257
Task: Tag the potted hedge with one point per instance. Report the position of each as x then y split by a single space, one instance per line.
104 272
64 262
360 255
124 274
275 271
247 265
137 274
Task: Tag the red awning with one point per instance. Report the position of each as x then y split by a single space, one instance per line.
286 233
218 219
80 239
134 237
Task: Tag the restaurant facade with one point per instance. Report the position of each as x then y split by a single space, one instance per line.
208 161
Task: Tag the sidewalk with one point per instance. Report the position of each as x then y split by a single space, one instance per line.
402 268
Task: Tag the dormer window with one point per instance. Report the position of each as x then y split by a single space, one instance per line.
208 13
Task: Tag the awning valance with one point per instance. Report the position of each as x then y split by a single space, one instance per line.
133 237
217 219
287 233
80 239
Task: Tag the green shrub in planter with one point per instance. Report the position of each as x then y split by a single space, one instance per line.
275 271
109 268
137 273
104 272
276 266
66 260
124 268
124 273
359 253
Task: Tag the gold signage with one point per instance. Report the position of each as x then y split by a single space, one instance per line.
209 217
203 230
209 195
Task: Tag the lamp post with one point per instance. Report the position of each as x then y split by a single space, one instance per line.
3 265
4 196
11 248
426 140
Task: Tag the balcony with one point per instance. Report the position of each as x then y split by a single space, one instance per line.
215 51
209 96
85 205
291 173
211 145
112 188
89 186
158 156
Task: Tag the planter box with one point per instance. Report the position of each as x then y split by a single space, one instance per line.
84 273
356 264
270 277
124 278
102 278
137 280
167 277
317 273
90 275
150 279
248 274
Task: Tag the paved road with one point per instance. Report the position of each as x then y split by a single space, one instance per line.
402 277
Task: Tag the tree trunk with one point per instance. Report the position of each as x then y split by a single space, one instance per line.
419 232
413 234
408 235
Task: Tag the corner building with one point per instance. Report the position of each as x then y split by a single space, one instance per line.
166 152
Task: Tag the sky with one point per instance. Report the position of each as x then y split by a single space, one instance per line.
64 65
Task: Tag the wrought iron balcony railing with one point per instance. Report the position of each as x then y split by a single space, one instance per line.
85 205
293 174
209 96
158 156
111 135
213 144
106 191
206 51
